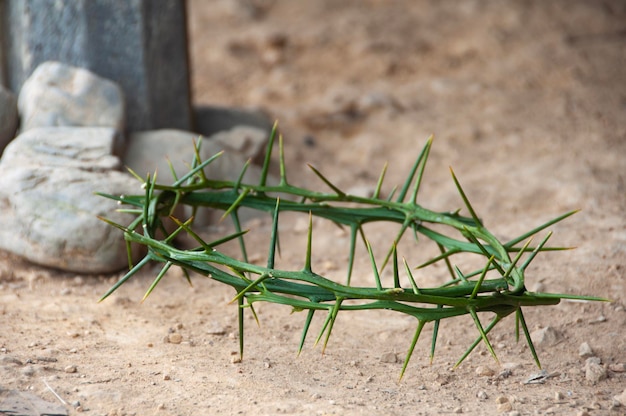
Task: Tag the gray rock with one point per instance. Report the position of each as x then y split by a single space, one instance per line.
150 151
249 142
140 44
546 337
585 350
594 371
8 117
49 210
61 95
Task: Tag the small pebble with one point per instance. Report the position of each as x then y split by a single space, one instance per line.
235 359
585 350
482 395
484 371
316 396
558 396
547 336
175 338
618 368
389 357
457 410
505 407
28 371
70 369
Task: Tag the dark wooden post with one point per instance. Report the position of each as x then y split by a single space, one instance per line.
140 44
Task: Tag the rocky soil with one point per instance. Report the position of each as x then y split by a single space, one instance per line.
526 101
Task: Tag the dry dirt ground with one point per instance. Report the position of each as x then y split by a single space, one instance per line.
527 101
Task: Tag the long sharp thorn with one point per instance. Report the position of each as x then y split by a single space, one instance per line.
187 277
416 336
396 240
374 267
305 330
171 168
516 259
409 179
235 205
268 155
133 173
483 334
460 275
411 279
535 251
125 278
540 228
446 260
283 170
156 281
418 180
338 191
307 262
491 325
334 314
241 325
324 326
185 226
251 286
237 184
465 199
242 244
481 278
353 231
196 169
433 343
529 340
483 249
379 185
396 275
274 237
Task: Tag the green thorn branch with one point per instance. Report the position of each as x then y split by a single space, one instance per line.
499 288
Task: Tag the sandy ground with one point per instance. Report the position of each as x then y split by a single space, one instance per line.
527 101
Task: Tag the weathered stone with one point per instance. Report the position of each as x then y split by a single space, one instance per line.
546 337
150 151
585 350
93 149
61 95
140 44
8 117
249 142
49 210
594 371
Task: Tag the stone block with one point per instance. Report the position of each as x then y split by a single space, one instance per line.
57 95
48 178
140 44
